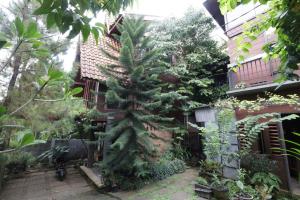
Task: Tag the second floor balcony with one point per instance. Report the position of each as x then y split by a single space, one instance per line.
254 73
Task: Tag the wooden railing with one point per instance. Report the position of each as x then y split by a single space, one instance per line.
254 73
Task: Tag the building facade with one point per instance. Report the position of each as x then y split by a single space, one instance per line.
253 78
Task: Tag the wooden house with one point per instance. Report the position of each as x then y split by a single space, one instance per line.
255 77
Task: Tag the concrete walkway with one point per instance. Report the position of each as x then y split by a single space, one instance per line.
176 187
44 186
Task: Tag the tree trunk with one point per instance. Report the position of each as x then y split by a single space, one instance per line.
107 141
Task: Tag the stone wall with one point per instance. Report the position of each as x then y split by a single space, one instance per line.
77 148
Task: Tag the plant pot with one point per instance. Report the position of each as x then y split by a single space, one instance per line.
203 191
197 185
243 197
220 194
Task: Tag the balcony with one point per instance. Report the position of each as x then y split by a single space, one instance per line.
254 73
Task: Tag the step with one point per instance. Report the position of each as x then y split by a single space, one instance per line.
95 179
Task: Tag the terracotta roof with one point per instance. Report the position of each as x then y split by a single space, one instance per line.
91 56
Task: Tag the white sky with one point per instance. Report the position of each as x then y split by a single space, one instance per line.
162 8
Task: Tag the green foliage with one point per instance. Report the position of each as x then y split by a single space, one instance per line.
137 91
283 16
239 188
294 151
166 168
265 184
202 181
38 96
210 167
258 163
216 135
26 138
218 183
55 152
253 126
18 161
65 14
158 170
193 57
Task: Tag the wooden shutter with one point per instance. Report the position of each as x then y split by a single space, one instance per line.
272 139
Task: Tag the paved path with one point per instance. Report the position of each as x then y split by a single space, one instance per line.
177 187
44 186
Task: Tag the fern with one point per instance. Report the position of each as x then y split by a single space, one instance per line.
252 126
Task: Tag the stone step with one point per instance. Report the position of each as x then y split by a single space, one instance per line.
92 176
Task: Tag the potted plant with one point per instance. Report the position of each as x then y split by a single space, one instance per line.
202 188
265 184
238 190
219 188
208 168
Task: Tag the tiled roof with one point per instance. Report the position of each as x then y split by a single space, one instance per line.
91 56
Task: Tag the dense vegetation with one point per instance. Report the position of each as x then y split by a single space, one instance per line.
172 67
193 57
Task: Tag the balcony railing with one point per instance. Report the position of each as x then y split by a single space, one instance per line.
254 73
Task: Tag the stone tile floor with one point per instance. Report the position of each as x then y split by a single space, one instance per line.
44 186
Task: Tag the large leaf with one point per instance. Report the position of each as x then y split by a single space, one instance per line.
26 138
45 8
50 20
75 30
75 91
2 43
32 31
240 185
19 26
85 30
55 74
96 34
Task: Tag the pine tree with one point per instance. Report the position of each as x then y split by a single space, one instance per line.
135 86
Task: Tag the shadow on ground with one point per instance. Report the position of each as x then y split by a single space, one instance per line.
44 186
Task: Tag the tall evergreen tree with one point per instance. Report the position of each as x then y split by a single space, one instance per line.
135 86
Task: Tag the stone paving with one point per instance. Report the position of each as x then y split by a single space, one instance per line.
44 186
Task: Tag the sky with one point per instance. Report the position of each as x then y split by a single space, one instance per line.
161 8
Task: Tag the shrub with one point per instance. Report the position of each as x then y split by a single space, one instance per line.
258 163
130 183
210 167
166 168
3 160
18 161
201 181
265 184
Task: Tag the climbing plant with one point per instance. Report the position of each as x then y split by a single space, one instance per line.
254 123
